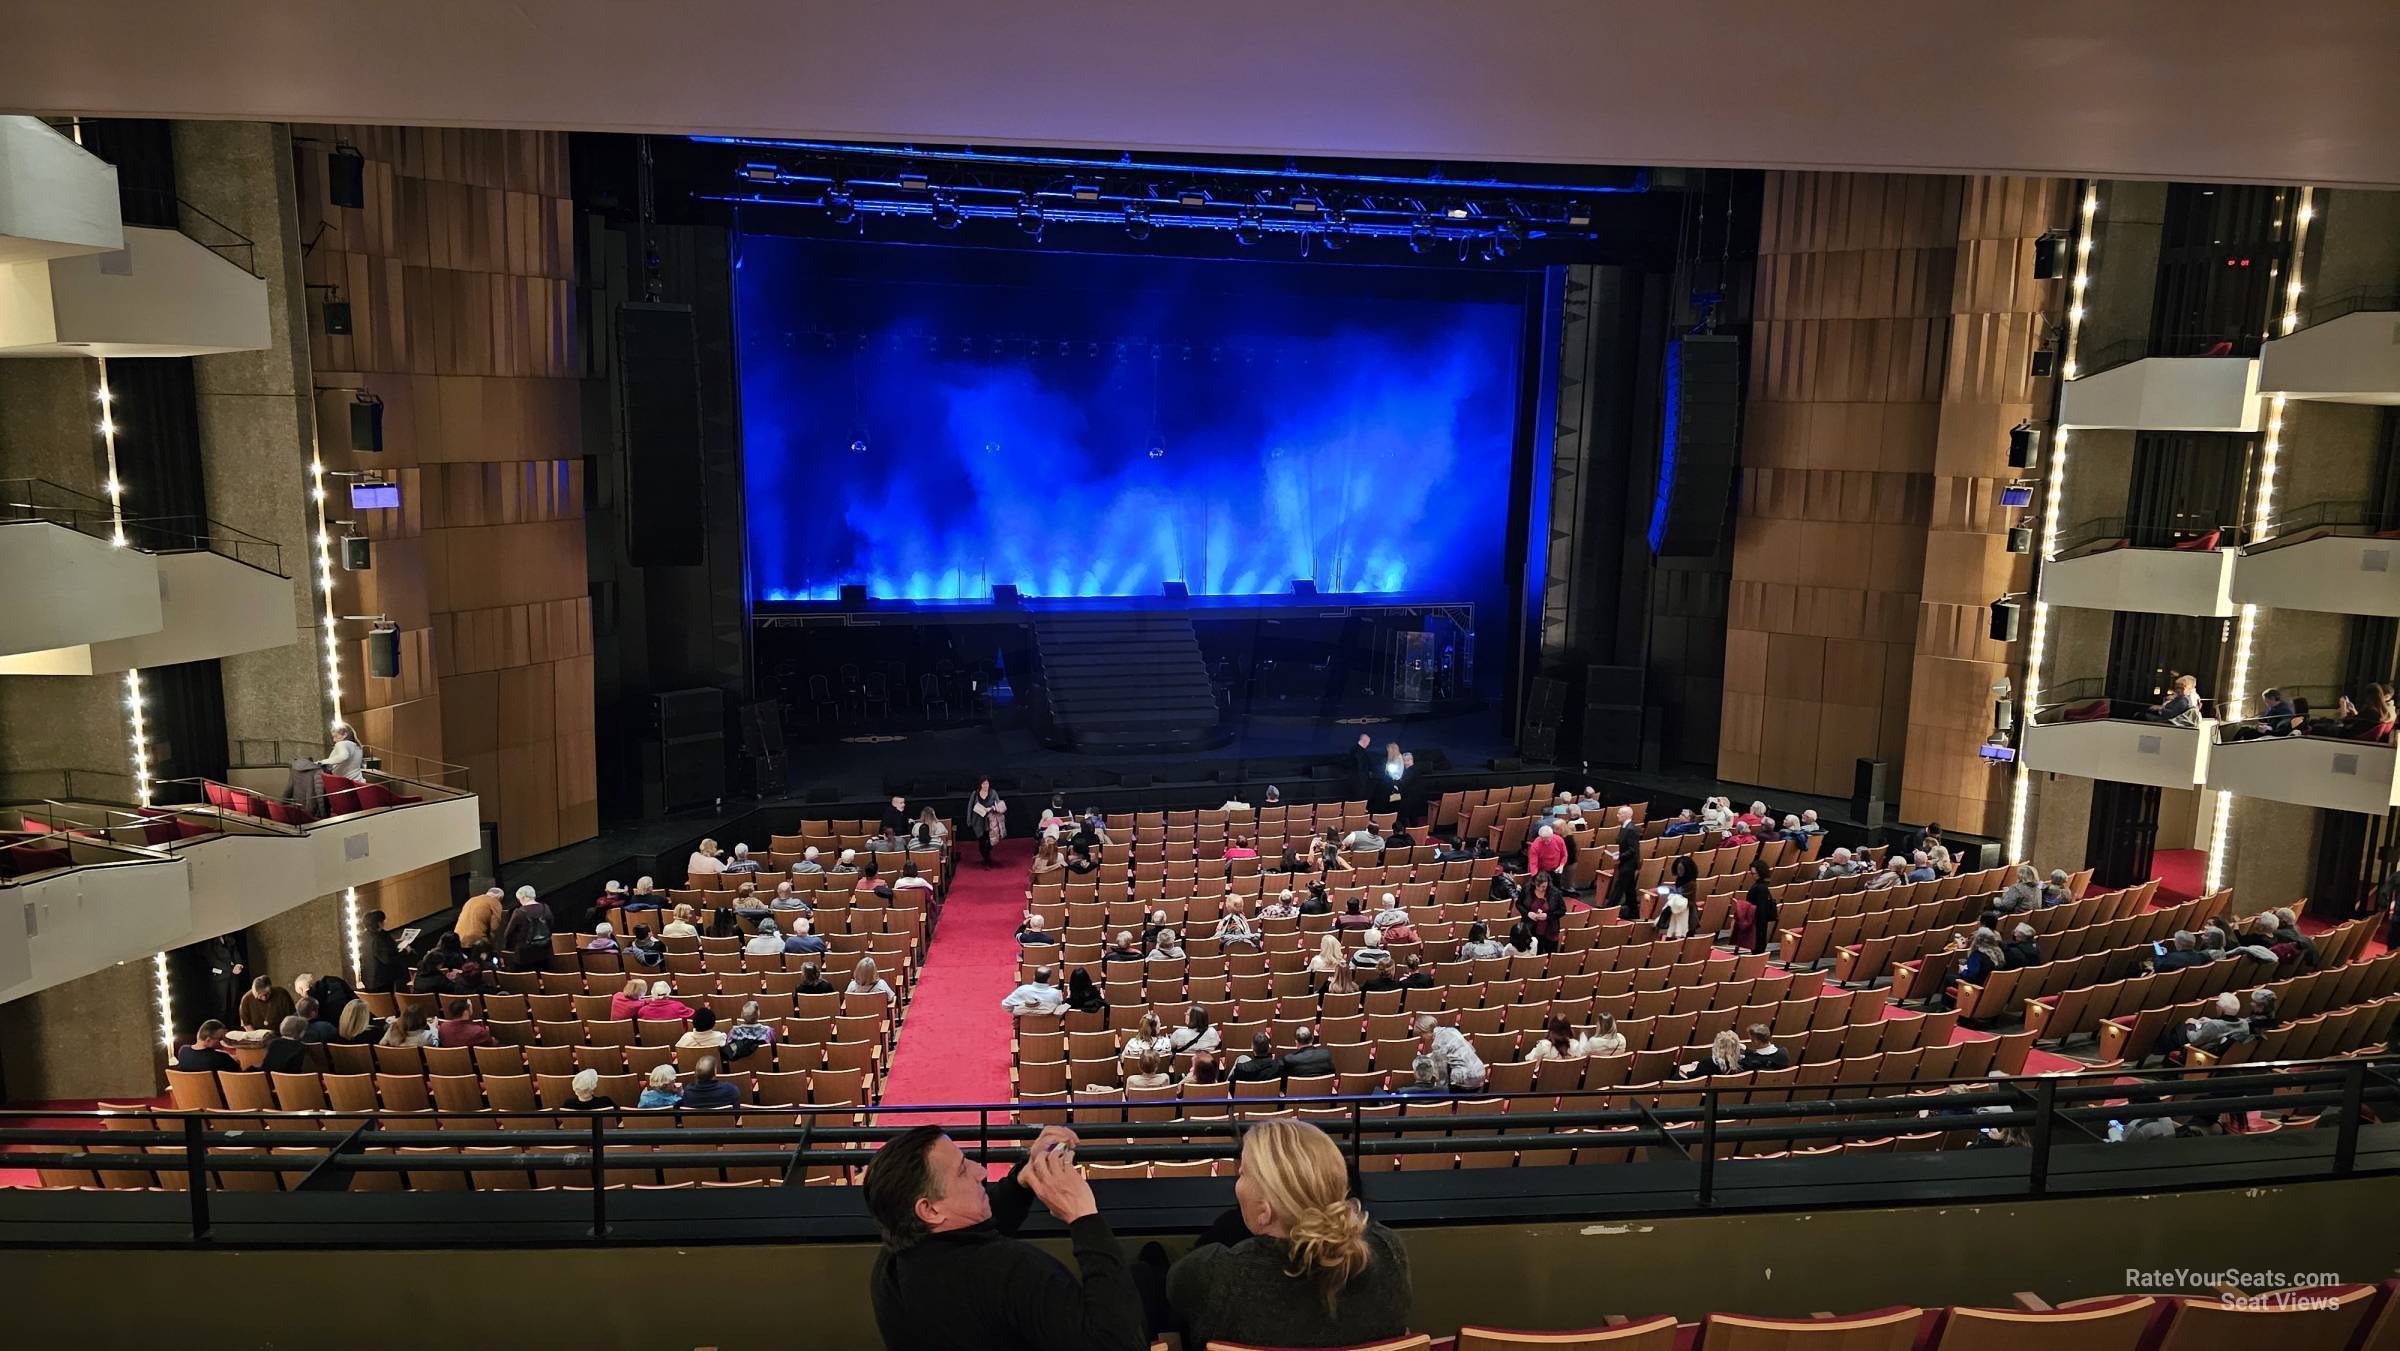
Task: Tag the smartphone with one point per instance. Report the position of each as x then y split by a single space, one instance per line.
2159 948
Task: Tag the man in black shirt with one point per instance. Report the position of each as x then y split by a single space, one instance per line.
951 1276
1308 1059
1261 1065
1762 1053
895 817
288 1052
207 1051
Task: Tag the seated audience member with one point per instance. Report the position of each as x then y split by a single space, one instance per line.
1455 1063
767 942
1150 1034
318 1030
1048 863
742 862
929 831
2025 893
1841 863
1234 928
1330 860
1208 1067
1604 1039
707 1092
889 842
747 904
1737 833
1762 1053
1809 825
1240 846
1413 975
803 940
265 1007
1153 1070
1354 915
1282 907
584 1093
1030 932
1196 1034
812 981
459 1027
705 860
1724 1057
910 879
1754 820
1944 862
644 896
1921 868
1314 1270
1685 823
1370 953
1381 979
1363 840
1791 831
748 1034
864 980
661 1005
1083 996
870 875
1524 940
1153 924
1091 833
1261 1065
1716 814
287 1051
2181 951
1080 862
1392 915
2021 949
1169 947
844 862
1122 948
811 861
1327 959
1480 944
357 1026
626 1003
1234 803
2182 704
2211 1034
703 1034
787 901
682 926
1893 873
207 1050
1546 852
405 1028
603 939
1309 1058
1038 995
661 1090
1317 902
1984 956
1557 1042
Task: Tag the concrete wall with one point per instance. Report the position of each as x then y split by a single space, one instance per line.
2353 244
86 1039
2124 268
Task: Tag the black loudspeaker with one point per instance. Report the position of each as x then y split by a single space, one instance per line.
2045 362
2024 445
1545 704
658 393
346 177
2004 621
2050 256
854 596
1866 794
683 757
1612 685
1005 595
337 318
357 555
383 653
1700 446
366 424
2020 539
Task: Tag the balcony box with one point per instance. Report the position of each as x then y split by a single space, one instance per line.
86 907
57 199
2342 776
2123 750
209 605
2166 394
66 588
164 294
2352 359
2150 581
2331 570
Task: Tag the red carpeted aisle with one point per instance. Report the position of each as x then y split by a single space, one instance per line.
954 1040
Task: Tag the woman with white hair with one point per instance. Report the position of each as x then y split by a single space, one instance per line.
742 862
808 862
1314 1270
801 938
767 942
1234 928
1370 953
683 925
846 861
604 938
1328 957
704 861
865 980
586 1095
1169 947
748 1033
661 1090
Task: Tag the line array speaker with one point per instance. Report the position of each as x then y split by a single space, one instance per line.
658 393
1701 446
683 757
1866 793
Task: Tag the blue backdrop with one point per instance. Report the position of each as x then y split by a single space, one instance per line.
930 422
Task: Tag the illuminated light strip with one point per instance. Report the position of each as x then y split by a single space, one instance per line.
355 926
2262 526
166 1000
353 923
2037 644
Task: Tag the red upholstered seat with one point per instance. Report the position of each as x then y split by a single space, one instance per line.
2202 543
284 813
19 862
2094 711
373 795
33 827
341 795
219 796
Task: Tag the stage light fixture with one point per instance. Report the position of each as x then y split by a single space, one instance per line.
761 173
1578 214
1250 231
2024 445
1456 212
1157 451
1306 206
1334 237
1193 197
914 181
1029 216
945 213
1420 236
1086 192
1137 223
840 206
859 446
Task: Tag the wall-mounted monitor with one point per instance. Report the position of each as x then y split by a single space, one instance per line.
374 497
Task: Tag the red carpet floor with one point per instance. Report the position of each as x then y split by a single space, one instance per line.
2181 873
954 1040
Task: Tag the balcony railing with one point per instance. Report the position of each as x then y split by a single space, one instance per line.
2336 517
33 499
2180 529
2325 309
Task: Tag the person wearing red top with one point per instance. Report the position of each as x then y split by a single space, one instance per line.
627 1002
1547 852
1241 847
458 1028
662 1006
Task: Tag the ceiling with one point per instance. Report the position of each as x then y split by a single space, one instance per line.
2292 92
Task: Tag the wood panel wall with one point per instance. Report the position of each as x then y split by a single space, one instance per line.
1896 320
460 274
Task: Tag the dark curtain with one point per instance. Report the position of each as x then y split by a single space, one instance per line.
143 150
2185 484
2223 250
2124 833
157 412
2147 651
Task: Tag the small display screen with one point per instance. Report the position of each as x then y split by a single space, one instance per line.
2017 495
2000 755
374 497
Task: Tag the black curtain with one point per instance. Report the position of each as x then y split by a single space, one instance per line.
2123 834
2223 250
2185 484
143 151
2146 652
157 412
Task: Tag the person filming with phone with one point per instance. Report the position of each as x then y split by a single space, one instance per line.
952 1276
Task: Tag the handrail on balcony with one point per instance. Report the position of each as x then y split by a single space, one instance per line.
23 854
2087 700
2126 351
199 534
2341 516
39 499
2180 529
185 216
420 770
2325 309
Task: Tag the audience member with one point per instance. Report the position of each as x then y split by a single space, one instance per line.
584 1093
741 862
1196 1035
1083 996
2025 893
405 1028
704 860
266 1006
1311 1269
1841 863
526 939
2055 891
479 919
1724 1057
767 942
1169 947
1037 995
1122 948
2021 949
864 980
748 1034
1685 823
707 1092
603 939
2182 704
1308 1059
207 1051
802 938
1454 1061
1234 928
703 1034
661 1090
661 1005
682 925
1557 1042
459 1027
287 1051
812 981
1605 1039
1762 1053
1261 1065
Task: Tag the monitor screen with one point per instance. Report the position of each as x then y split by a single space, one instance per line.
374 497
1997 754
2017 495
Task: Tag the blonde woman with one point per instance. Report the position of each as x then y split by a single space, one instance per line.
1724 1057
1150 1036
864 980
661 1091
682 926
1315 1270
1602 1040
1329 958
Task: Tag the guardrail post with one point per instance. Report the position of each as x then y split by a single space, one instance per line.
599 1183
1356 1138
195 1165
1708 1148
2045 1101
2354 1094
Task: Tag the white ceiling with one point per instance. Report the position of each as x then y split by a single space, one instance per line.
2302 90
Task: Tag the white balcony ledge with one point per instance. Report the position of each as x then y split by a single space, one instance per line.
2352 359
164 294
2122 750
2342 776
2148 581
2166 394
57 199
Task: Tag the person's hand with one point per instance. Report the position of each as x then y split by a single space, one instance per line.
1050 1138
1058 1184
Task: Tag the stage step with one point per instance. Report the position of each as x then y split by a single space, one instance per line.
1126 683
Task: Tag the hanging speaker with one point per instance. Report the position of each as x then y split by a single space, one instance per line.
2004 621
366 424
2045 363
2024 445
2050 256
2020 539
383 653
355 553
337 318
346 177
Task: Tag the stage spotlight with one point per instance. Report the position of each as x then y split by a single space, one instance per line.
915 181
1334 237
1193 197
1578 214
1157 451
1420 236
1250 231
840 206
1086 192
1456 212
1029 216
859 446
945 213
1306 206
1137 223
761 173
2024 445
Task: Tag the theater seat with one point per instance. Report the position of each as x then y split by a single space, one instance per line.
1419 1342
2323 1319
1893 1329
2115 1324
1649 1334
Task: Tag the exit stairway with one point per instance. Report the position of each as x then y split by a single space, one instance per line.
1126 682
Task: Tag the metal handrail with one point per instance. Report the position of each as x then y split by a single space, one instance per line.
33 499
425 771
2126 351
2180 528
2325 309
2338 514
2059 700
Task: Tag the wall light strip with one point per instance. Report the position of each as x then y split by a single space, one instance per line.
2037 645
353 923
